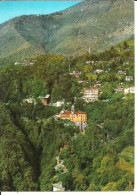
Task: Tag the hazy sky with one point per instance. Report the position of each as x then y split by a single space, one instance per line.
11 9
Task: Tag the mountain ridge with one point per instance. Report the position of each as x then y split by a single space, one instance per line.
95 24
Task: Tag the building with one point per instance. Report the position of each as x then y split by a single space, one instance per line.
46 100
75 74
97 85
121 84
98 71
83 81
121 72
129 78
90 62
129 90
17 63
107 100
57 187
90 94
79 118
59 103
118 90
30 101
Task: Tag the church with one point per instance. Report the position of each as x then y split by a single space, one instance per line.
79 118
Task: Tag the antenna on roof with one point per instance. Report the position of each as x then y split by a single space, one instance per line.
89 50
69 67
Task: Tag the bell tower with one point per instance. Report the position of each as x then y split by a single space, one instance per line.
73 109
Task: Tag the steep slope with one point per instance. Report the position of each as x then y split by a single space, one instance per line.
96 24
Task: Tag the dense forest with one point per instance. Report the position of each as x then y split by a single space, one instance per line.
101 159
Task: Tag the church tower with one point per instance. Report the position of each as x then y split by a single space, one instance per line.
73 109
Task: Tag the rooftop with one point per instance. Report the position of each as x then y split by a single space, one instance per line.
47 96
68 113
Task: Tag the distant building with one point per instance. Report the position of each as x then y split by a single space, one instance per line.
83 81
97 85
75 74
25 62
121 84
126 63
90 94
90 62
129 90
129 78
79 118
121 72
46 100
57 187
98 71
16 63
118 90
107 100
30 101
59 103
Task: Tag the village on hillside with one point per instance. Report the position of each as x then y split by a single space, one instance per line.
95 72
76 112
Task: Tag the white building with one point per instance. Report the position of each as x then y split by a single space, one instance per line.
121 72
97 85
84 81
129 78
16 63
90 62
57 187
59 103
129 90
90 94
98 71
30 101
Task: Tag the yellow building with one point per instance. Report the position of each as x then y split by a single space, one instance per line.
79 118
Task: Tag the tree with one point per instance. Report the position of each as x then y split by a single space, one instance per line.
108 171
125 45
79 180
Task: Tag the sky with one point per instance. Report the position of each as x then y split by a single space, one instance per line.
11 9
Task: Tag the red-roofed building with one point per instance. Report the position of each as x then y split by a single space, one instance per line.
79 118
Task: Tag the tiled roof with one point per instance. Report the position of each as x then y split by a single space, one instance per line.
68 113
47 96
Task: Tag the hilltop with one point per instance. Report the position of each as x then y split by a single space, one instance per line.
95 24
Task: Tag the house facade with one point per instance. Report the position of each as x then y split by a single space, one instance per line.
75 74
129 90
118 90
98 71
59 103
57 187
90 94
79 118
129 78
46 100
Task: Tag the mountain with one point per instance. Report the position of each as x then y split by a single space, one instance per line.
96 24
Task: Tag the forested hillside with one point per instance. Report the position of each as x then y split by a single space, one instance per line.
102 158
96 24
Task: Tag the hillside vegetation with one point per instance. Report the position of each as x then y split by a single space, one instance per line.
102 159
95 24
